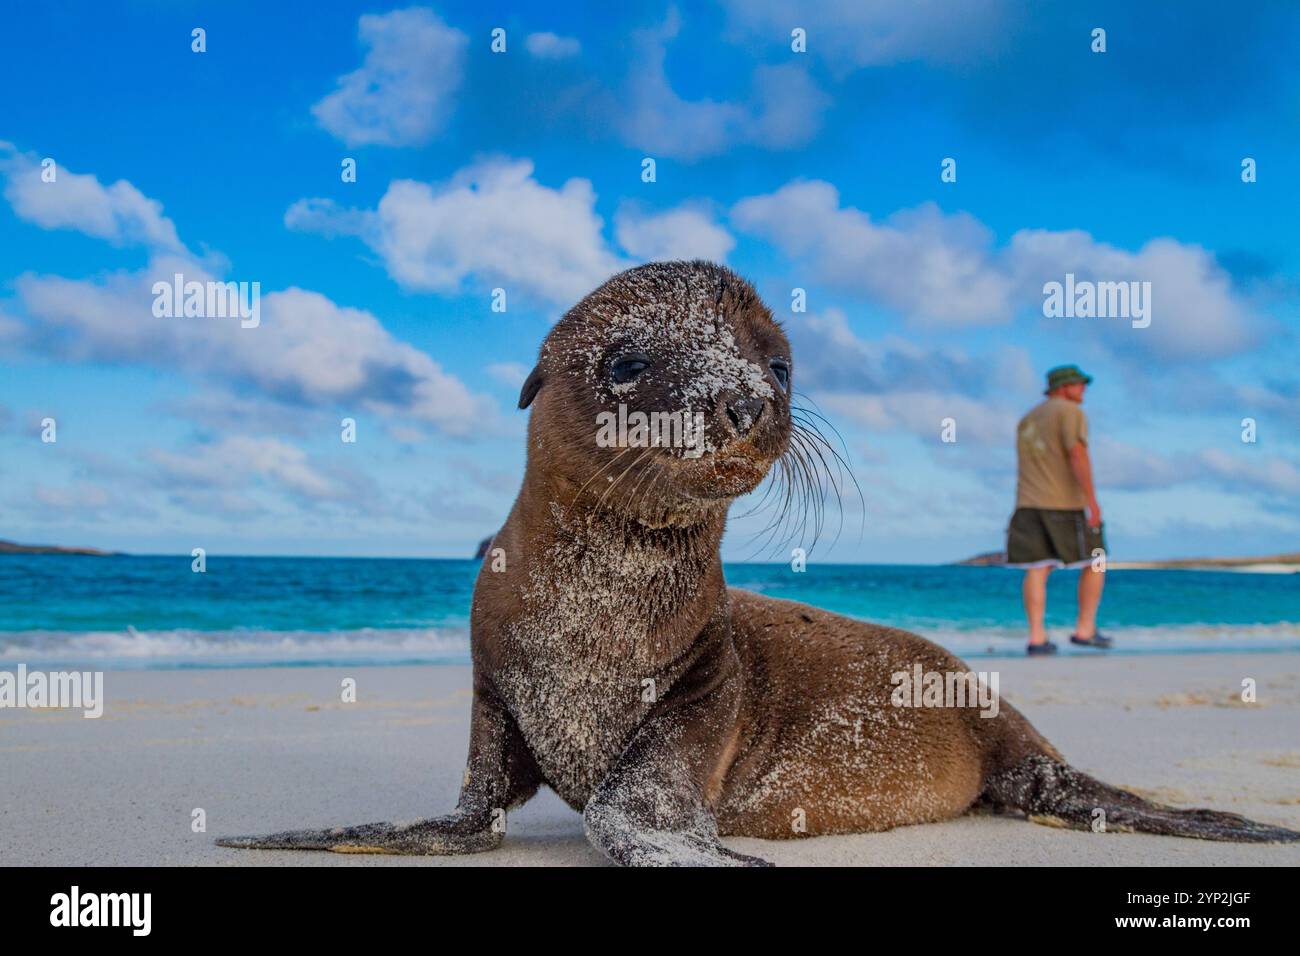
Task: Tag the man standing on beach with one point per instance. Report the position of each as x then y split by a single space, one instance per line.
1050 527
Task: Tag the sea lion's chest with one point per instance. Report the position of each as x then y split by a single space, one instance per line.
585 659
576 720
576 693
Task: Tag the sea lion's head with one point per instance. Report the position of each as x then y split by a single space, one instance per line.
664 391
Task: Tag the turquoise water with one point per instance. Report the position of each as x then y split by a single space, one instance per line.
153 611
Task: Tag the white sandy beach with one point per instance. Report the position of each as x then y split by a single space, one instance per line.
268 749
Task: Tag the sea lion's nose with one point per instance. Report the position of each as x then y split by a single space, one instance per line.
744 413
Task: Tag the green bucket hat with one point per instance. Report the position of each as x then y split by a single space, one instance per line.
1065 375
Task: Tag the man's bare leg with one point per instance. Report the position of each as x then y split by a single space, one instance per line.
1035 597
1090 585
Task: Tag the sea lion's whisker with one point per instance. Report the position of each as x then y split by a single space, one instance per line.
767 491
816 468
791 480
816 412
809 419
808 487
612 461
814 441
809 471
659 476
791 474
654 469
623 474
764 535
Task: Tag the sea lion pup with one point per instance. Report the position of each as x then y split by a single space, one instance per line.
613 664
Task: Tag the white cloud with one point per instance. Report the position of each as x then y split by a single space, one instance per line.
687 232
830 356
492 222
858 33
922 414
894 385
325 217
789 110
1248 469
119 213
79 496
307 350
509 374
237 458
783 111
11 332
923 263
549 46
1127 467
1134 468
944 269
403 93
241 475
1195 313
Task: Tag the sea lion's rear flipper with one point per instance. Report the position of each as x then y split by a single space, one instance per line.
1056 794
500 774
441 836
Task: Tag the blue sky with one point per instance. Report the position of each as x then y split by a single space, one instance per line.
522 171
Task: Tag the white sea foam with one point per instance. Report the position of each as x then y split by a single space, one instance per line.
450 645
189 648
1158 639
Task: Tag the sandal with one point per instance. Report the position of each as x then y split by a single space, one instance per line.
1097 640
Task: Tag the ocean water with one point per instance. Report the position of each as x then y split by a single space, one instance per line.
153 611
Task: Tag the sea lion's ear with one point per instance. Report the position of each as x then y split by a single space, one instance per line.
531 386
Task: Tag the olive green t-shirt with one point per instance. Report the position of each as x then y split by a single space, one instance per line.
1044 438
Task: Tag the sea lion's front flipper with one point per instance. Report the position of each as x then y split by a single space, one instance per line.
500 774
632 839
651 809
441 836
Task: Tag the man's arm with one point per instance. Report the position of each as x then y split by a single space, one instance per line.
1081 465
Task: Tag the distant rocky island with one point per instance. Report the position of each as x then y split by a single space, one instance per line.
13 547
1274 562
988 557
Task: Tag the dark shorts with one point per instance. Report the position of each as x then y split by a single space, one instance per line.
1042 537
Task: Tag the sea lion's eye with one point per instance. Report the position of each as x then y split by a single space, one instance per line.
781 369
628 367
